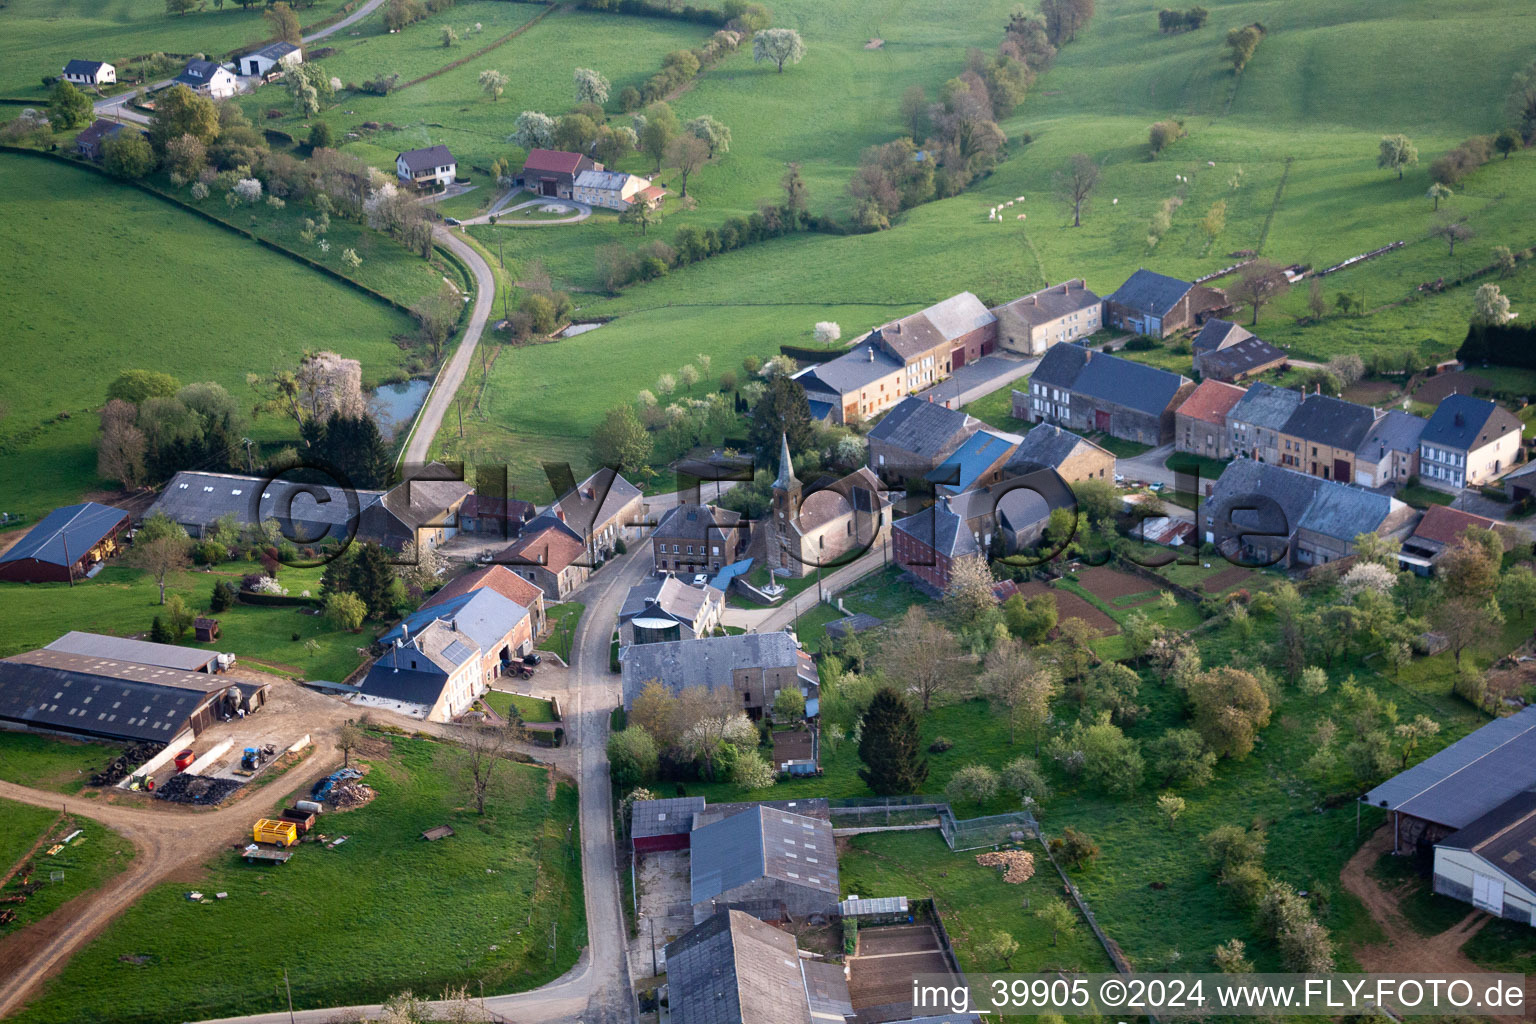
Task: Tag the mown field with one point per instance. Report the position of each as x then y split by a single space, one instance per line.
50 762
38 37
481 906
104 279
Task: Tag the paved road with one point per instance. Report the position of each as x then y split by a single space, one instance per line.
1148 466
583 211
115 108
452 374
771 620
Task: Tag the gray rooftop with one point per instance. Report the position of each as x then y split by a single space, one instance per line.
1265 406
1469 778
1396 431
1322 419
201 499
613 180
706 661
735 969
406 685
1505 838
71 530
1148 292
274 51
1053 303
959 315
101 697
940 529
1217 334
926 429
857 368
596 500
1109 378
1047 445
669 817
139 652
1343 512
1466 423
1243 357
762 843
667 595
1245 479
430 158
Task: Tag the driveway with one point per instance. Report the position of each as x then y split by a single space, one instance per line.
580 212
1148 466
780 616
973 380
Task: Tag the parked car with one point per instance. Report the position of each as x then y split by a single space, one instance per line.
533 658
700 578
452 222
1157 485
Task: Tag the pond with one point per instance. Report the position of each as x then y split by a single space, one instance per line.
395 405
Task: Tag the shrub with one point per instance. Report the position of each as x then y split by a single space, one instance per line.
940 744
975 783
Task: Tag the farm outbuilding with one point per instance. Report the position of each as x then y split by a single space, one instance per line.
136 652
769 861
663 824
1491 863
69 542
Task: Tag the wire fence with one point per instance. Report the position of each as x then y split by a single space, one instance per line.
991 830
905 812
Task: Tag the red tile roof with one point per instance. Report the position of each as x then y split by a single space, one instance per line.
498 578
552 160
552 547
1443 525
1211 402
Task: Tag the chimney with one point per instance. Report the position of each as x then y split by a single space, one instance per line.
871 353
1459 420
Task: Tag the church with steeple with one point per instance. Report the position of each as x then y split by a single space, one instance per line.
827 524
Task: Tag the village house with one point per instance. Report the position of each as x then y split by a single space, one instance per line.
1322 436
612 190
1261 514
426 169
1157 306
491 516
208 78
422 510
733 967
1440 528
269 58
916 436
667 824
434 675
90 141
1034 322
493 630
1074 457
500 579
68 543
1520 485
1468 442
553 173
699 538
1227 352
1081 389
1253 424
997 520
550 555
756 666
835 522
976 463
773 864
601 509
90 73
1389 455
664 608
855 386
1200 421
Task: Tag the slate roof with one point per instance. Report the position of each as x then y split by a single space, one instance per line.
198 72
1216 334
1266 406
1245 478
939 528
274 51
1323 419
1243 357
203 498
762 843
483 615
925 429
1052 303
1395 431
494 577
1108 378
515 510
1148 292
706 661
1211 401
1505 838
84 67
428 159
699 522
959 315
553 161
1342 512
137 652
101 697
1471 777
734 969
972 460
611 180
76 527
1464 423
1048 445
668 596
667 817
408 686
849 372
1443 525
596 500
99 131
425 501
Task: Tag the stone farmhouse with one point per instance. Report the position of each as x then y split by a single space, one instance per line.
1157 305
1063 312
1080 389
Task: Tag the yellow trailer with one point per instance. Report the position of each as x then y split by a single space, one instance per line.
268 830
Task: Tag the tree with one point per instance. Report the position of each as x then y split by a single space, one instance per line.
591 86
1012 680
632 758
1491 306
1074 848
68 107
1470 568
793 184
752 771
914 113
788 705
1024 776
345 611
974 783
121 446
999 946
1437 192
1163 134
1075 184
1073 650
285 25
482 750
1105 757
158 633
1395 153
400 13
1030 620
783 411
1507 141
128 155
533 130
687 153
367 571
160 556
1179 758
186 156
180 111
746 17
621 440
1517 589
320 136
889 746
1260 283
643 214
1064 19
178 617
1229 707
656 711
1464 622
921 656
349 737
1058 918
1232 958
716 136
968 598
1241 42
1450 232
1520 107
1215 220
827 331
1410 733
779 45
1170 807
493 83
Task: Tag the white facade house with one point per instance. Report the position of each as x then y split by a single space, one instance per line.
90 73
208 78
430 168
613 190
265 60
1468 442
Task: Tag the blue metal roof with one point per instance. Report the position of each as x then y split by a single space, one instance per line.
726 854
1470 777
77 527
728 573
970 461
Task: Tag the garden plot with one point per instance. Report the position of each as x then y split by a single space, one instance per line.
1117 588
1070 606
